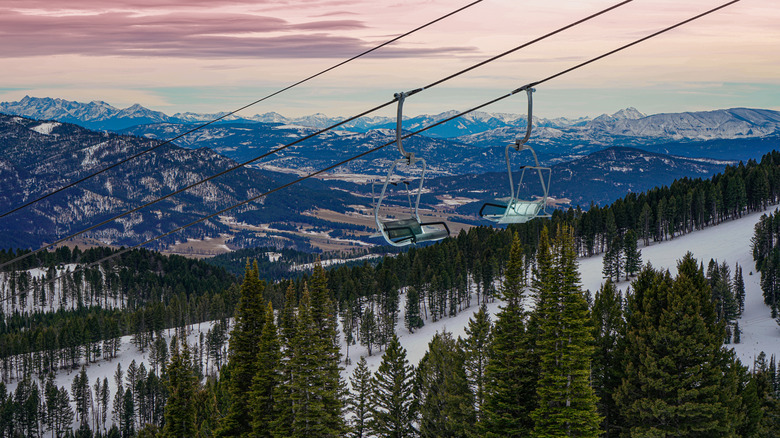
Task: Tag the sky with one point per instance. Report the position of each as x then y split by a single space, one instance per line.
219 55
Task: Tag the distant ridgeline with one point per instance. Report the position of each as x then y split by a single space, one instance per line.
81 316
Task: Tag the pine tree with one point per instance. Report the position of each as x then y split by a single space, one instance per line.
412 319
50 393
359 402
608 330
182 386
446 403
567 403
608 265
393 409
64 412
117 411
633 256
739 288
512 369
82 396
26 410
127 424
476 347
105 394
324 316
287 315
679 380
303 415
368 329
267 378
250 317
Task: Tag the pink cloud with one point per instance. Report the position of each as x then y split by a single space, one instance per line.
190 34
90 5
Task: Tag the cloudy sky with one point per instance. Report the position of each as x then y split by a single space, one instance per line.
218 55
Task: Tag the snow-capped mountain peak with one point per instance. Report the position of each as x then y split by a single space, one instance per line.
630 113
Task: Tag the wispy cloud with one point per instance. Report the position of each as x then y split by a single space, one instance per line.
173 28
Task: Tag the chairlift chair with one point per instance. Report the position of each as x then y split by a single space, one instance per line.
513 210
408 229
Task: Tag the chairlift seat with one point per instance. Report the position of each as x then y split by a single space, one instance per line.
515 212
405 231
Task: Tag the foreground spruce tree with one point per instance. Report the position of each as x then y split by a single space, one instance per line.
567 403
325 319
679 379
607 365
267 378
182 386
393 400
359 403
250 317
476 347
511 371
445 400
302 400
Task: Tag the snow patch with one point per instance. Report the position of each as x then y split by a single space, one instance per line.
45 128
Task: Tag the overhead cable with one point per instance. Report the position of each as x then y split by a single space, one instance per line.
323 130
410 134
199 127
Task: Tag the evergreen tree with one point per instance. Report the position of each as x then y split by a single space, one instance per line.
306 397
567 403
82 395
393 409
446 404
267 378
287 315
105 394
412 319
117 411
324 316
368 329
633 256
25 408
739 288
608 330
50 395
182 386
63 413
476 347
512 369
679 380
127 424
250 317
359 402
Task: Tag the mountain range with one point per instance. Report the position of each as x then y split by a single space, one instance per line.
596 160
37 157
626 123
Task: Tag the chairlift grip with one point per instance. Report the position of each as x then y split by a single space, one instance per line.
518 145
399 124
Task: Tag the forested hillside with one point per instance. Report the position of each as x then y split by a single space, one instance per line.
487 384
50 320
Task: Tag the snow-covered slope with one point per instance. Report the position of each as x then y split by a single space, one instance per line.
729 242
